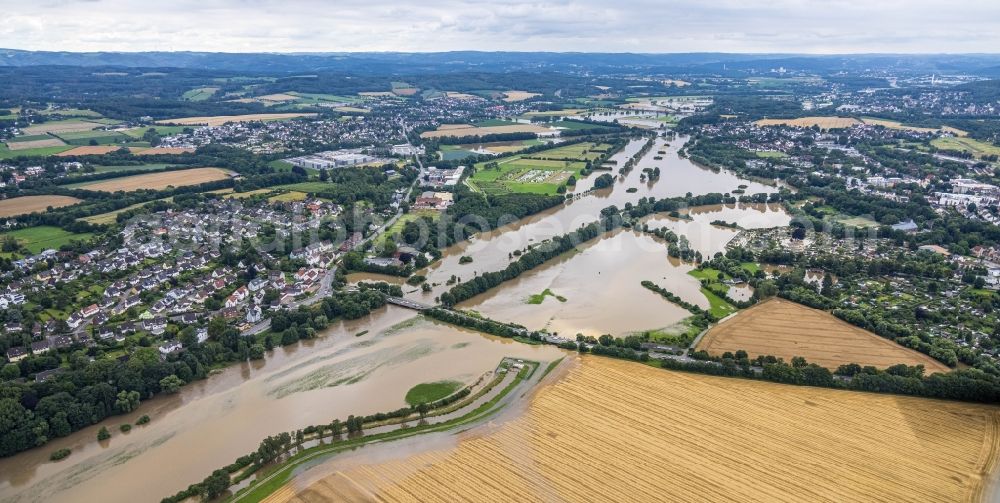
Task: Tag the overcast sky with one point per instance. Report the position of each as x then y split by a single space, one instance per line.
814 26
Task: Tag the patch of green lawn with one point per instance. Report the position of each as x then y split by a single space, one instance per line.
965 144
6 153
160 130
717 306
44 237
431 392
199 93
707 274
400 223
538 298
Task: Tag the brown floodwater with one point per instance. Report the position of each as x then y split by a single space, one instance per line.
740 291
492 251
710 239
212 422
370 277
600 290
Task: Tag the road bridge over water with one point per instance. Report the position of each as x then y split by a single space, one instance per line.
407 303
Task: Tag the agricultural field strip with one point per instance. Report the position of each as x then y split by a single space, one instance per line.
598 425
157 181
486 403
26 145
218 120
776 328
823 122
468 130
30 204
62 127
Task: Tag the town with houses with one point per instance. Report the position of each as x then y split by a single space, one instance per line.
307 229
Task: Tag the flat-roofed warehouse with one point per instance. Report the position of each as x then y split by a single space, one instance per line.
332 159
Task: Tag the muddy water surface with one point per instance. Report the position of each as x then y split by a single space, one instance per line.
600 285
211 423
492 251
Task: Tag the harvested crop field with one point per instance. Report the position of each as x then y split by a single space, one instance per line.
94 150
611 430
461 96
785 329
158 181
219 120
468 130
26 145
822 122
66 126
511 96
30 204
891 124
897 125
278 97
969 145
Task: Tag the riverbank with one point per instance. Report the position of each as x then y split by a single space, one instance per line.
527 374
210 423
725 440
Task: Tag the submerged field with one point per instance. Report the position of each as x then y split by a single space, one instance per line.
611 428
785 329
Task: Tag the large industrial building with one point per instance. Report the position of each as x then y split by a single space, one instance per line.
332 159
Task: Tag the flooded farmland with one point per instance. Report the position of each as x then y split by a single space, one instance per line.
610 428
696 223
596 290
212 422
492 251
366 366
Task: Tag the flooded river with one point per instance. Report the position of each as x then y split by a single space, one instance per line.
596 290
492 251
212 422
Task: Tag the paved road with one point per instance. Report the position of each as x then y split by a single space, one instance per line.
326 284
407 303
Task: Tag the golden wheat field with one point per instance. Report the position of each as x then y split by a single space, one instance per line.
453 130
219 120
30 204
159 181
67 126
612 430
460 96
511 96
94 150
785 329
822 122
891 124
897 125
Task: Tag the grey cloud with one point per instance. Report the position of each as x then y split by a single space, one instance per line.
562 25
